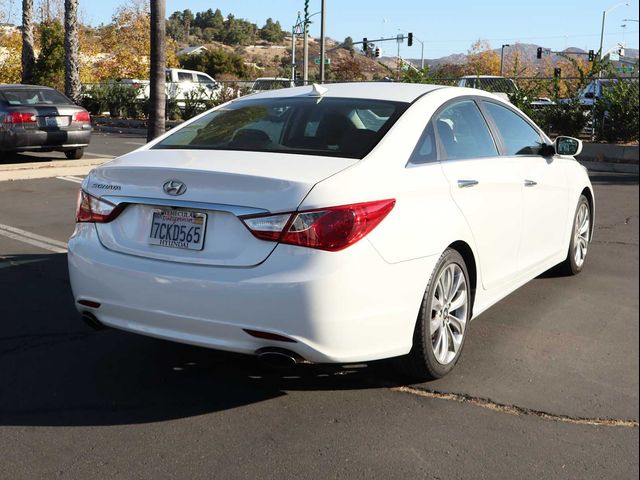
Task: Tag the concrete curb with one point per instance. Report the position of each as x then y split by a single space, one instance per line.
610 167
56 168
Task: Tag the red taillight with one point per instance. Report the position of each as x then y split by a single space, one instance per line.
93 209
17 118
332 229
81 117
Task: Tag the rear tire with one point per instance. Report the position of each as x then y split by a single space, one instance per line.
75 154
580 238
443 320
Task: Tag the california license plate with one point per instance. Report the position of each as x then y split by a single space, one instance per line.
61 121
178 229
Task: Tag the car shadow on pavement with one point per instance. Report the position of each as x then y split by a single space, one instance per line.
56 371
614 178
11 158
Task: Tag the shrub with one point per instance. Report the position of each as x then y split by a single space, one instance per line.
617 112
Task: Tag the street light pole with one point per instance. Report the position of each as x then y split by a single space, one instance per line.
502 58
604 17
322 52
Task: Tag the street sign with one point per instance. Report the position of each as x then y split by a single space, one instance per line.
400 38
327 61
625 69
614 57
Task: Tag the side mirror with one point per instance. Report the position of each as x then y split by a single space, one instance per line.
568 146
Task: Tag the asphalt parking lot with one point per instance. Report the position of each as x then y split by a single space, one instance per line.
547 386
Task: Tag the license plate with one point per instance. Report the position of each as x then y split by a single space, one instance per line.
178 229
57 121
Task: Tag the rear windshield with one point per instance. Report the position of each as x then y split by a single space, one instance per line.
32 96
337 127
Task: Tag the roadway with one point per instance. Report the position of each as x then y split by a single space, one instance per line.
547 386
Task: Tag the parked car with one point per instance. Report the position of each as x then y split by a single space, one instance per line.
340 223
270 83
36 118
501 86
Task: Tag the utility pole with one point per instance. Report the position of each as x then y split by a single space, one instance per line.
293 53
322 51
305 44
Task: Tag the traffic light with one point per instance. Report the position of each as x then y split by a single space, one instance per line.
591 56
557 72
539 53
409 39
306 11
377 52
365 45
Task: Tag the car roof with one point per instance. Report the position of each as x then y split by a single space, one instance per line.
398 92
13 86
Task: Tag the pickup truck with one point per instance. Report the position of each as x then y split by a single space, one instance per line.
179 83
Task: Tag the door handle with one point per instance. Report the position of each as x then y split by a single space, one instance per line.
467 183
530 183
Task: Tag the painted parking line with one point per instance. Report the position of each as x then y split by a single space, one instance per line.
71 178
34 239
99 155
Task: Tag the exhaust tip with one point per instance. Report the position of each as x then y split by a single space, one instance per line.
279 357
91 320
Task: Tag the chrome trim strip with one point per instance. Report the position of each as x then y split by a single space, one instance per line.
171 202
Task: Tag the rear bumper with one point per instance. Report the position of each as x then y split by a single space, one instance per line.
338 307
20 140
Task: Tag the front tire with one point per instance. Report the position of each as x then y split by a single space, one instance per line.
75 154
580 238
443 320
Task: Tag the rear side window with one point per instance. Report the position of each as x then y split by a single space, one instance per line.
463 132
425 151
33 96
185 77
518 136
341 127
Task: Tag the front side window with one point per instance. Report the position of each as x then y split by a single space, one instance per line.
518 136
341 127
463 132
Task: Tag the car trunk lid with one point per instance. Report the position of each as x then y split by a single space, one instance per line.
223 185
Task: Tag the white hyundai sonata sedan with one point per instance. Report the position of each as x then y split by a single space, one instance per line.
339 223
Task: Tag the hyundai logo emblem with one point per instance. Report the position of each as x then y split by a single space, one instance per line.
174 187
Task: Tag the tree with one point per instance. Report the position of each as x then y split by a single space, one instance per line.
216 62
348 44
348 69
481 60
49 68
11 44
71 63
28 55
272 31
157 71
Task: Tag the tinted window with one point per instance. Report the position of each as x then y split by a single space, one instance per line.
463 132
518 136
425 151
340 127
185 77
32 96
204 79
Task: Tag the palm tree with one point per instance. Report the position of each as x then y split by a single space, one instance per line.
28 56
158 62
71 64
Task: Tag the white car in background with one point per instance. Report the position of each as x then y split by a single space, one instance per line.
342 224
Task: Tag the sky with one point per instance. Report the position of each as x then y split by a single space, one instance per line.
444 27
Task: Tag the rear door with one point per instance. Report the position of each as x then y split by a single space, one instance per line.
486 187
544 182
